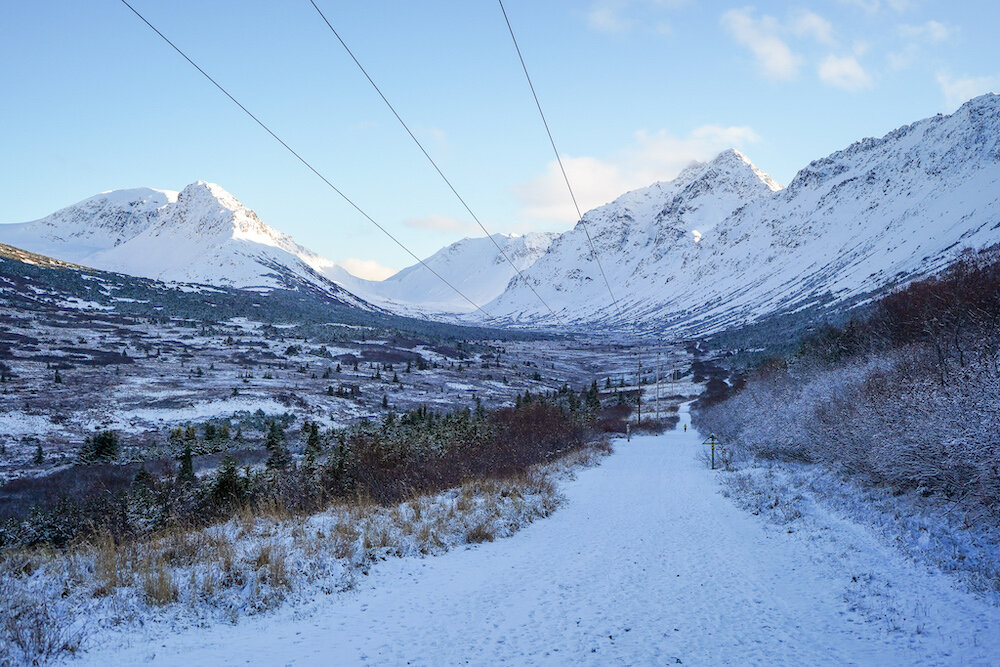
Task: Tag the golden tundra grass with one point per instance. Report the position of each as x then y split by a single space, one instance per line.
267 551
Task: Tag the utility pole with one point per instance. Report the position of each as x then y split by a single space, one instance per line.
657 385
638 420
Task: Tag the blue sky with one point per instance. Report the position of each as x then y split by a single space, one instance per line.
634 90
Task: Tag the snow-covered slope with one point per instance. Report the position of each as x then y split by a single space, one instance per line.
638 238
473 265
722 244
201 234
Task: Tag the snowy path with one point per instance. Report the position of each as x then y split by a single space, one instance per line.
645 564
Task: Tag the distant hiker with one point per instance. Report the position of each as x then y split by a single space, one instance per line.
685 428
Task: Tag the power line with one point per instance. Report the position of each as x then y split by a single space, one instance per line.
302 159
427 155
555 150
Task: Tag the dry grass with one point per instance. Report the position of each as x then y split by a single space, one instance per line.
480 533
253 562
158 583
271 565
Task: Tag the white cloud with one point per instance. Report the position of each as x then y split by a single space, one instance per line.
916 38
932 32
653 156
873 6
804 23
761 37
958 90
368 269
870 6
608 18
844 72
440 223
619 16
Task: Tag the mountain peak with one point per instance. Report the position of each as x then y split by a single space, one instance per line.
206 192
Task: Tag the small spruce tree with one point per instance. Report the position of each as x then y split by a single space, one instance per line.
186 474
278 457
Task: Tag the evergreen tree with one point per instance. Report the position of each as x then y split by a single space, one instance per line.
229 487
278 455
58 378
385 401
186 474
142 477
593 398
102 446
314 445
39 455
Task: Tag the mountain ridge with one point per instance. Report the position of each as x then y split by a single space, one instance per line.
880 211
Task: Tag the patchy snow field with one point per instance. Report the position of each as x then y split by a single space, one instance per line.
647 563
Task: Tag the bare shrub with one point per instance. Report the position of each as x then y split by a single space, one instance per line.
480 533
32 633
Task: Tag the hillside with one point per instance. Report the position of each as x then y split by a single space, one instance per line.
722 245
473 265
201 234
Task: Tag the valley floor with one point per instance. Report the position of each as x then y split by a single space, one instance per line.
646 563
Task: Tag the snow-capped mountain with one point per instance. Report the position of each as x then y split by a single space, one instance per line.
473 265
201 234
637 238
722 244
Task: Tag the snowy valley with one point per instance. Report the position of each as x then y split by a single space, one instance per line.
218 446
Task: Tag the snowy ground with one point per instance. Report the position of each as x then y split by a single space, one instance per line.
143 378
646 563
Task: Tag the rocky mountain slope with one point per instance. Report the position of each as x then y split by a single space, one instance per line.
201 234
722 244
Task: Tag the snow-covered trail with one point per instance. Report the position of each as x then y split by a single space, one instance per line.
646 563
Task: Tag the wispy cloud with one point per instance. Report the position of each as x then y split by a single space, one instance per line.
609 18
622 16
653 156
844 72
874 6
440 223
916 39
368 269
804 23
932 32
762 37
957 90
